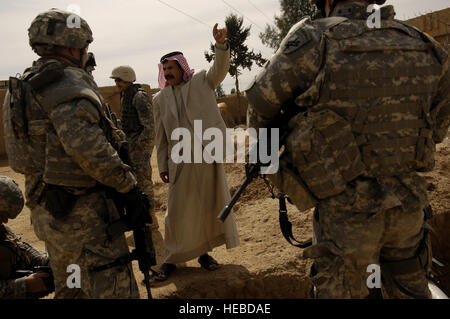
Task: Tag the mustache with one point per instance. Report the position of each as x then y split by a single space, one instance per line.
169 76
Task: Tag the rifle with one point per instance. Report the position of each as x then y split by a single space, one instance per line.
252 171
136 221
134 218
48 281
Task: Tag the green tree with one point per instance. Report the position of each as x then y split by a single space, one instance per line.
292 11
219 91
240 55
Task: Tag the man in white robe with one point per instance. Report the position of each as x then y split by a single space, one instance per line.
197 191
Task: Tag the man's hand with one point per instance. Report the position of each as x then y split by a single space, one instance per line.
35 284
165 177
220 35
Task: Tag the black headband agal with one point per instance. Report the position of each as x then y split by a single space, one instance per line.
168 55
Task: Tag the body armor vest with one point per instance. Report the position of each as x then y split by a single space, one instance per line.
9 252
128 113
371 116
31 142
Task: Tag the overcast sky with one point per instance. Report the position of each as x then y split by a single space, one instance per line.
139 32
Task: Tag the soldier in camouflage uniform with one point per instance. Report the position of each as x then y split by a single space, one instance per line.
14 253
373 103
136 118
58 134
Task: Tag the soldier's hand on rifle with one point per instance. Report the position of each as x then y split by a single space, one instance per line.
164 176
35 284
136 208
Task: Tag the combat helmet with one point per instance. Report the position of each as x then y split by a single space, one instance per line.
11 198
320 4
56 27
124 72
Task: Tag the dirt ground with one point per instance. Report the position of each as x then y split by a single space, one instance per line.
264 265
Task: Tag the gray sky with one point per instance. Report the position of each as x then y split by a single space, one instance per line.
139 32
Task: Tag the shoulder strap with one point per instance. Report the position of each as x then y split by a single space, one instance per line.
71 87
327 23
286 225
49 73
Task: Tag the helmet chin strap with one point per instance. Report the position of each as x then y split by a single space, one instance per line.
81 58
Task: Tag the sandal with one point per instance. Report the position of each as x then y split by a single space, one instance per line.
164 271
207 262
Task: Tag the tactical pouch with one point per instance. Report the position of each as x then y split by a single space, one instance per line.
425 150
15 128
17 107
290 183
324 152
58 201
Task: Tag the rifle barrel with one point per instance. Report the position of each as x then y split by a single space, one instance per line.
227 209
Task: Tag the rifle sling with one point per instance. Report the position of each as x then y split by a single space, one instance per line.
286 225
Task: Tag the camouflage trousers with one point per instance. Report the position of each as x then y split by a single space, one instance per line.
346 243
80 239
140 162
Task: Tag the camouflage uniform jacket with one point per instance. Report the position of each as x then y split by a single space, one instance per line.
68 142
332 64
136 116
16 255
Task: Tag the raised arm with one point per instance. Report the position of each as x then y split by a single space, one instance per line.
218 71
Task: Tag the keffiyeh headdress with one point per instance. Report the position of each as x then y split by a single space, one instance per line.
174 56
